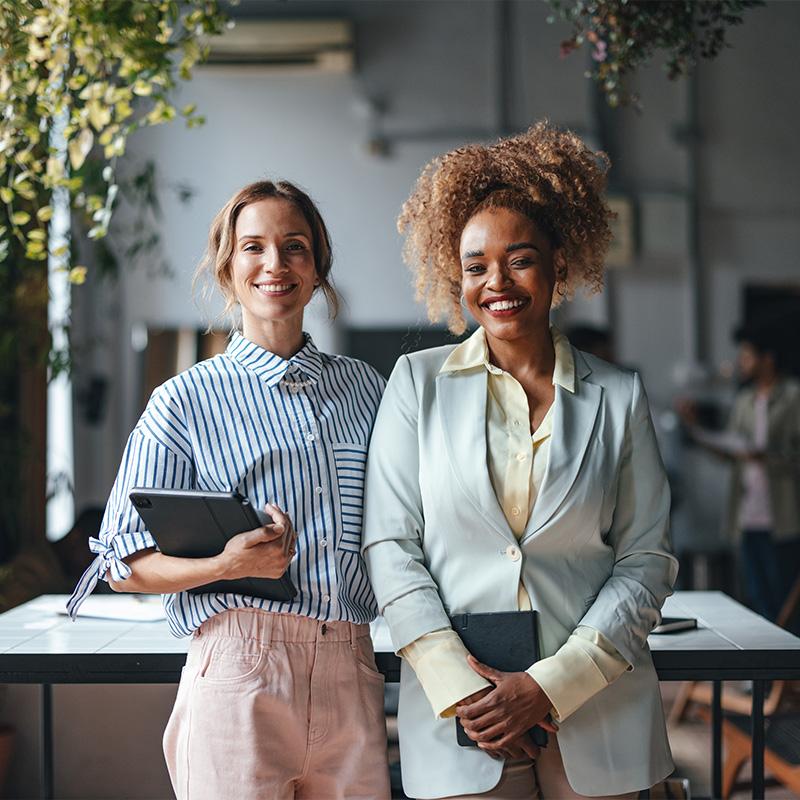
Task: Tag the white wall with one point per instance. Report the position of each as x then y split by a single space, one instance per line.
433 64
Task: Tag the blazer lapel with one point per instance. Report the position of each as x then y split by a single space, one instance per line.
573 426
461 403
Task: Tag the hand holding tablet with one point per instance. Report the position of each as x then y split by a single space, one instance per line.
256 546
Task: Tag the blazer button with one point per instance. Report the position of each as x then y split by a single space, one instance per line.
513 553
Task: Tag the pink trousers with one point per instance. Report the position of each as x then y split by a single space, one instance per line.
278 706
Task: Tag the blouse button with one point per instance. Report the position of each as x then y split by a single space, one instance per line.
521 456
513 553
515 511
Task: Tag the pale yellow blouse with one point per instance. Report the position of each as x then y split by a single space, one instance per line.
587 662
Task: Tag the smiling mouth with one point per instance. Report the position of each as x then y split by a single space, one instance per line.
506 306
275 289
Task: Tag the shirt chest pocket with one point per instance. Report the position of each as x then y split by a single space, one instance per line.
350 462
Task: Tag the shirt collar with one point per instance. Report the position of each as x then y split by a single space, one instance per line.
307 362
474 352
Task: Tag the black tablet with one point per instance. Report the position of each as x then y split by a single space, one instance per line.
197 524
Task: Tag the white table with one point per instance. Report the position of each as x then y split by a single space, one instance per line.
731 643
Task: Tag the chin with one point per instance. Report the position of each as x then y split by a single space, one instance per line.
508 330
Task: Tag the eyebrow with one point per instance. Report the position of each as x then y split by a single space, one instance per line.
258 236
522 246
510 249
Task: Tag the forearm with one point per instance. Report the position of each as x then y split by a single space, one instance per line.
153 572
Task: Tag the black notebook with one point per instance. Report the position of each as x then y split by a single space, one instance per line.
505 640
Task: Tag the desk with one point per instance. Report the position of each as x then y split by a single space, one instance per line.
731 643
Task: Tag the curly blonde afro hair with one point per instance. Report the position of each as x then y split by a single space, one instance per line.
546 174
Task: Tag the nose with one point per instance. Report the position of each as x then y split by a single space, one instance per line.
272 261
498 277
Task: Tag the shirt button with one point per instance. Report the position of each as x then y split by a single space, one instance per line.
326 598
515 511
323 542
318 490
310 437
517 423
521 456
513 553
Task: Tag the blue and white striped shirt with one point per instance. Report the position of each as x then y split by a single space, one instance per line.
294 433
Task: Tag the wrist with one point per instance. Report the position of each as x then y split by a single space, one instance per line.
221 567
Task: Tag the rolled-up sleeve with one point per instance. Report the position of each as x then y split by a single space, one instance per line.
150 460
628 606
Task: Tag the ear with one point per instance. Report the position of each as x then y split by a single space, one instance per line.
560 264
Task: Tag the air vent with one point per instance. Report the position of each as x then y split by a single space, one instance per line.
306 45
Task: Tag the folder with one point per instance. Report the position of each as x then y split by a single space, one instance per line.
505 640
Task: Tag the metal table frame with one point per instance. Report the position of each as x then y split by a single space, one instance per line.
676 658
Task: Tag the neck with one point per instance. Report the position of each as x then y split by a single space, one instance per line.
284 338
532 354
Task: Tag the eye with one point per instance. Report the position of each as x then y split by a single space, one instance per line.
251 247
475 269
521 263
296 246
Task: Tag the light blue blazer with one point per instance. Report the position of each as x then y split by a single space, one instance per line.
595 552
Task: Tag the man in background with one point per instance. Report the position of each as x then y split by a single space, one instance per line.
762 443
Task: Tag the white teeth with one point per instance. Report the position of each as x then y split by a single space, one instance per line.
505 305
274 288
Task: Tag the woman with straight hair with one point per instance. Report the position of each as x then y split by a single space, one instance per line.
277 699
512 472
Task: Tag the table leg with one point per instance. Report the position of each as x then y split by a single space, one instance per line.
716 740
758 739
46 763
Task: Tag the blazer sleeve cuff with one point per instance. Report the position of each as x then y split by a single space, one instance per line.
414 614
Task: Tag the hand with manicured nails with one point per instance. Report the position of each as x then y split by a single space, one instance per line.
500 719
264 552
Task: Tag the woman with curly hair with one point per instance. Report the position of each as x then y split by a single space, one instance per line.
513 472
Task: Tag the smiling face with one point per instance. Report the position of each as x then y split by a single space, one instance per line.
273 269
507 273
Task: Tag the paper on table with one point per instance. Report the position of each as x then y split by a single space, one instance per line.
129 608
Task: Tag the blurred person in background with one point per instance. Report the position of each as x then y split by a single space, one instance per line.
762 444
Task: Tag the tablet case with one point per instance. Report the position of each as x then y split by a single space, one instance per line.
197 524
505 640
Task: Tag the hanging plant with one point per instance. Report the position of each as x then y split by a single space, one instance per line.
93 71
77 78
625 34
